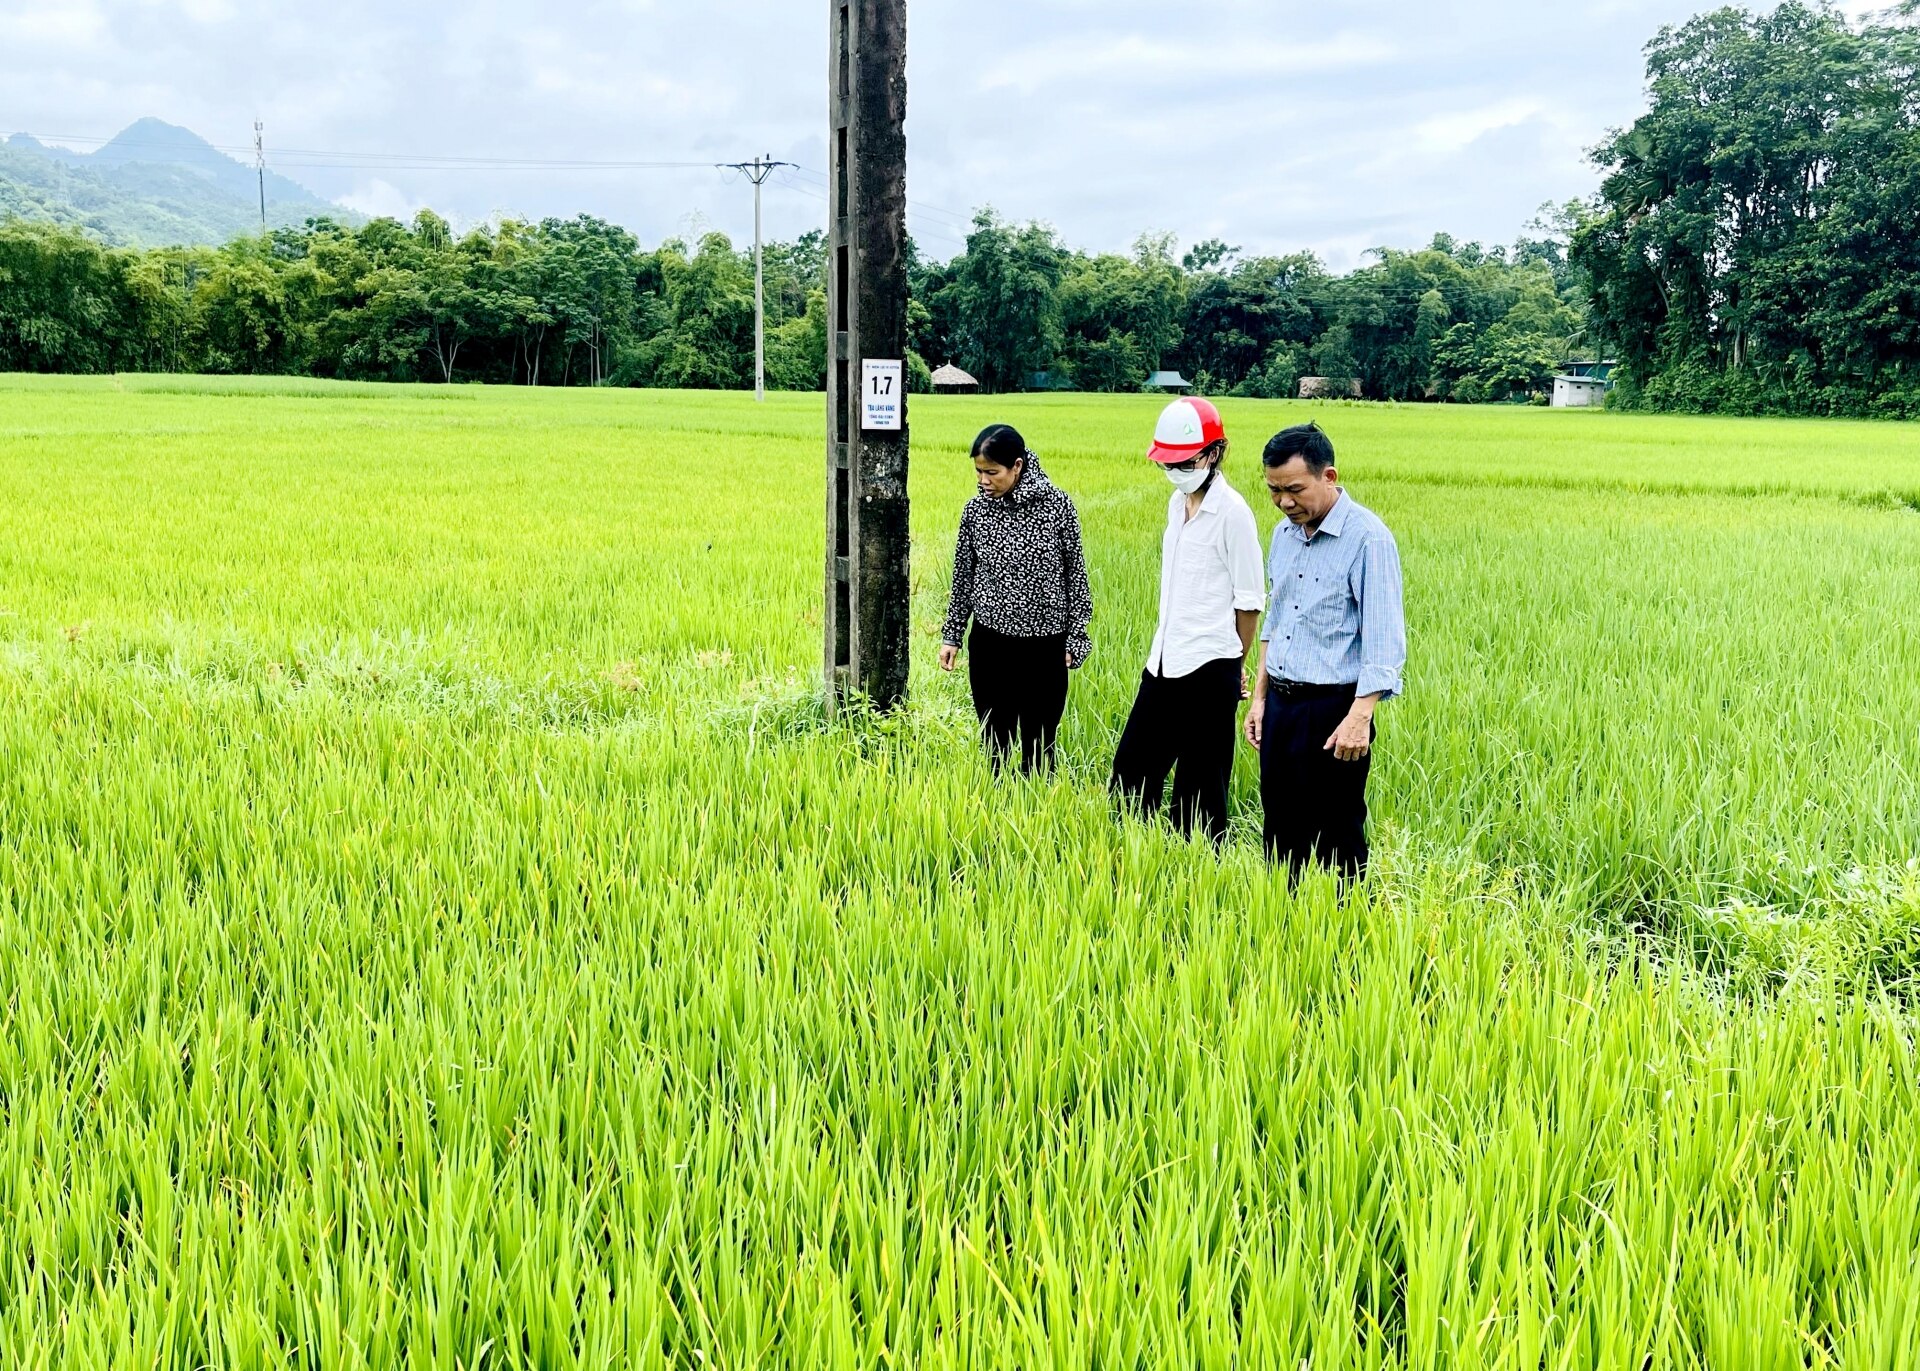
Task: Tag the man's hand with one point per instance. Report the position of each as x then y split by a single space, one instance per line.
1353 739
949 654
1246 686
1256 725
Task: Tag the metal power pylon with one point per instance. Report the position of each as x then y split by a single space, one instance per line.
260 169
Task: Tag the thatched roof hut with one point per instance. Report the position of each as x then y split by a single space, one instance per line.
950 377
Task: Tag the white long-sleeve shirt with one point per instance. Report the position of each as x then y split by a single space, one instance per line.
1210 566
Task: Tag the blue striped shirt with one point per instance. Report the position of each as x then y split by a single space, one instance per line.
1334 613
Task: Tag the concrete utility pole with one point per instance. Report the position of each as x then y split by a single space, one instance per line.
757 171
260 170
868 595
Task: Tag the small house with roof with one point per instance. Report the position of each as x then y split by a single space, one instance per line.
1582 384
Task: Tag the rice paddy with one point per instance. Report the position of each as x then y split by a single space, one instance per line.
439 928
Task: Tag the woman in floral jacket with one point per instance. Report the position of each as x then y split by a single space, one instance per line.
1020 576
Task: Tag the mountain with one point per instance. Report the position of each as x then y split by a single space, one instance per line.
155 184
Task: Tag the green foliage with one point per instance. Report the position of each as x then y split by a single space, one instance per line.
564 301
996 308
578 302
1120 317
1754 247
1502 363
439 926
60 302
797 349
707 339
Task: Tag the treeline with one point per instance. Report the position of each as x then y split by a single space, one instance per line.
1452 321
580 302
561 302
1755 247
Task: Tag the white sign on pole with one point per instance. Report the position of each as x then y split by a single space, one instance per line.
881 383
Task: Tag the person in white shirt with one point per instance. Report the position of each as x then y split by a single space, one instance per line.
1212 589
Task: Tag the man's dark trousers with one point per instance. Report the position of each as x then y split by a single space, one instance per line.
1182 725
1316 804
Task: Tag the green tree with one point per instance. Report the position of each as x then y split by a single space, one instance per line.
1113 363
520 253
241 315
797 348
1753 246
1207 256
1334 356
64 301
1002 298
707 341
1241 322
160 285
590 280
468 295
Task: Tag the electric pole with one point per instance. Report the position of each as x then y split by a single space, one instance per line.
868 594
757 171
260 170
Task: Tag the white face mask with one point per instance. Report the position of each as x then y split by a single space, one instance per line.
1186 482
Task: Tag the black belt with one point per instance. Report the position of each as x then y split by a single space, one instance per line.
1307 690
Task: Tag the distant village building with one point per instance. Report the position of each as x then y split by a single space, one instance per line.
1582 384
1168 380
1328 388
950 377
1578 392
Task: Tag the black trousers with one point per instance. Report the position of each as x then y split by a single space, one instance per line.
1316 804
1183 725
1019 691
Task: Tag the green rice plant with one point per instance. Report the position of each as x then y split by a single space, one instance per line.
439 925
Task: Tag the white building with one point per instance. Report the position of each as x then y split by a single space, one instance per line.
1577 392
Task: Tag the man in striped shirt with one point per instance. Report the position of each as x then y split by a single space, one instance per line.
1335 642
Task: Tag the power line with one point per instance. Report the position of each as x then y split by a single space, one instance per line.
930 216
962 220
923 231
403 161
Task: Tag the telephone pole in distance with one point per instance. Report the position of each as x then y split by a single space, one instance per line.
757 171
260 170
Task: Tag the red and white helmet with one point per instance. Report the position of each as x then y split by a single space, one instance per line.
1187 428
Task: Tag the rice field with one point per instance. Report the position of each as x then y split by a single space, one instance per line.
439 928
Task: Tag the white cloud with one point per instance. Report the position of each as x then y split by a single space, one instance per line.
377 198
1462 128
1138 62
1275 124
71 24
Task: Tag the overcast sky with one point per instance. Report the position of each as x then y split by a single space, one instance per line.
1275 125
